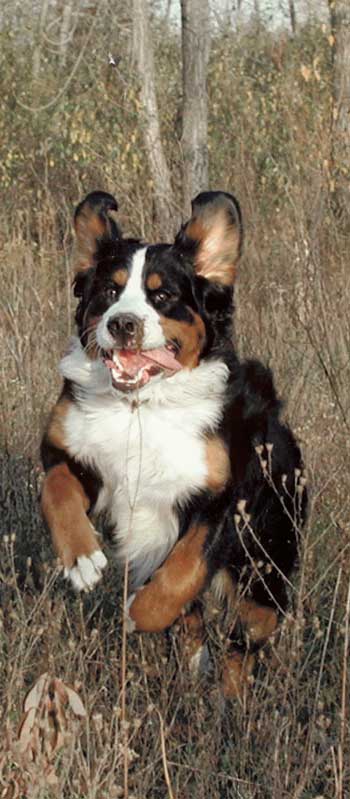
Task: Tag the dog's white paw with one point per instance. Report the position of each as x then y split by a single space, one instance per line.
87 571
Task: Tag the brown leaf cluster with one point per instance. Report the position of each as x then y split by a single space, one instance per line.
49 722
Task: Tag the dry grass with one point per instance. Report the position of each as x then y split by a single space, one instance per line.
286 739
289 738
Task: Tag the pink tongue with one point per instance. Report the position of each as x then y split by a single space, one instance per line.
132 362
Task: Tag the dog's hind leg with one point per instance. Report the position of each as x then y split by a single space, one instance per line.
256 619
179 580
256 625
192 640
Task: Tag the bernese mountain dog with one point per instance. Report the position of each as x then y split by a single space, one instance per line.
161 428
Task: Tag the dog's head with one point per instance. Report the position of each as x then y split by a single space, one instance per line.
149 310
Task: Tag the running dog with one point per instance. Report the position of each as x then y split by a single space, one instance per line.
166 431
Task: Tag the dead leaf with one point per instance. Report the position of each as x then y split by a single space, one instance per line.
47 724
306 73
25 734
75 703
34 695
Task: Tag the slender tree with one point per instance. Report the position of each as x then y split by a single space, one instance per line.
143 58
195 55
37 51
67 13
292 16
340 23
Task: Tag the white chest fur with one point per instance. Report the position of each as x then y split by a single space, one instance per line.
149 458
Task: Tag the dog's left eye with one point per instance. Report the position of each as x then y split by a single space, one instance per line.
111 292
161 296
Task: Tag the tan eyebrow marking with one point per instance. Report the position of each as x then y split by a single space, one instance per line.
120 277
154 281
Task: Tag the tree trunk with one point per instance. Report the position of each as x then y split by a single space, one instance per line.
340 22
257 10
143 57
39 44
65 31
292 16
195 55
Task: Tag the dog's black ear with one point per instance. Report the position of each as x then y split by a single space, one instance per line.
214 235
94 219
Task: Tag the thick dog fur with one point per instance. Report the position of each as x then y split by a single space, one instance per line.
183 450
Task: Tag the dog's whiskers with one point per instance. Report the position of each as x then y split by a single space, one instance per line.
92 344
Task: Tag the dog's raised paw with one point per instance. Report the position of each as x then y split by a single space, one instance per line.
87 571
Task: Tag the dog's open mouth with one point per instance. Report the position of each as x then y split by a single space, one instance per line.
132 369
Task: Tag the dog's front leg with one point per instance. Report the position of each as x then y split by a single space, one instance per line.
179 580
65 505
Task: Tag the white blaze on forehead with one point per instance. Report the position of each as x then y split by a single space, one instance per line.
133 297
133 300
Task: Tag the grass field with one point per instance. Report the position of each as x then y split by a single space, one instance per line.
289 737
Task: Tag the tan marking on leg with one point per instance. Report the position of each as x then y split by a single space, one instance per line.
64 505
218 464
193 621
120 277
191 338
55 430
178 581
237 669
260 621
193 633
154 281
192 641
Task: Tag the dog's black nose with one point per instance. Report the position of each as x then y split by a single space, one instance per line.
126 329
